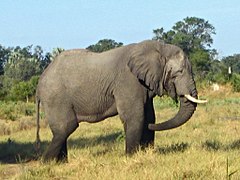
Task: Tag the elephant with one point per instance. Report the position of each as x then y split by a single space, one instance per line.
83 86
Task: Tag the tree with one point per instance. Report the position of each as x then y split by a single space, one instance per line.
4 54
20 91
19 66
233 62
201 61
22 64
104 45
218 72
189 34
24 89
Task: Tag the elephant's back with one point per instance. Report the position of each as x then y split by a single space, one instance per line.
74 69
82 69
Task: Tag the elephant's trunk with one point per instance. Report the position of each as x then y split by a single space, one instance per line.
185 112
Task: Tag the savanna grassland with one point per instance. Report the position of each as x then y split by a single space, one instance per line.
207 147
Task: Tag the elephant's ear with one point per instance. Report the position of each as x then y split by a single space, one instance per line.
148 69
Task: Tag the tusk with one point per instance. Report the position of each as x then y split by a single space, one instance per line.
190 98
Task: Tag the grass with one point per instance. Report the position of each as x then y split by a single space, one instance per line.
207 147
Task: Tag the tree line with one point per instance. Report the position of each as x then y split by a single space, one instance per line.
20 68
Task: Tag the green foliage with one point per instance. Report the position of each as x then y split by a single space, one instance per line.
14 110
21 90
22 64
164 102
8 111
104 45
201 61
20 68
233 62
189 34
235 81
18 90
6 85
218 72
4 54
219 78
24 89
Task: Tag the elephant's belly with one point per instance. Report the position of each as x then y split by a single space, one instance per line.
96 115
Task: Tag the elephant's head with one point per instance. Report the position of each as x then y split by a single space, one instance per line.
165 67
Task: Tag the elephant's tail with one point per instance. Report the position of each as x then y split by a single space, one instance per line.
38 141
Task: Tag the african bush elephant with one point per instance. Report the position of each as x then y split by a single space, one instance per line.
82 86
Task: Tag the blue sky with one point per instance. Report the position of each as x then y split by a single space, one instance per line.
80 23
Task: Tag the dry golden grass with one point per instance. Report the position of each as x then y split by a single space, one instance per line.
207 147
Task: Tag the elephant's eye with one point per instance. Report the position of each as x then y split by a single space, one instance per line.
177 73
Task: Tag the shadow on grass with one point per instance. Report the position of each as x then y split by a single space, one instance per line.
96 140
12 152
209 145
173 148
215 145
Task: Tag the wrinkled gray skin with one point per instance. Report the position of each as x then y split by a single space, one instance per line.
82 86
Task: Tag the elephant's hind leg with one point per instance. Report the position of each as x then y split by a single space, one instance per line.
56 150
62 122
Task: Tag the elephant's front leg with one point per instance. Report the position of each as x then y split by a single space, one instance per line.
133 118
147 139
133 135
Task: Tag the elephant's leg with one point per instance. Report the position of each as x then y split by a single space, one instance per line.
58 148
63 155
54 148
62 124
147 139
133 135
133 119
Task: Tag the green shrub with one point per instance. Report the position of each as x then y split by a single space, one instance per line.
164 102
13 90
23 90
14 110
8 111
220 77
235 81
